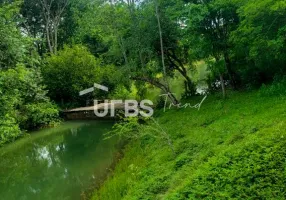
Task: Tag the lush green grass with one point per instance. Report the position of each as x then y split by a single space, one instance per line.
233 149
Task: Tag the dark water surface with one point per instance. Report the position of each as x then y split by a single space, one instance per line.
56 164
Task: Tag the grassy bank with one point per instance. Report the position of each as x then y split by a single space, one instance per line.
228 149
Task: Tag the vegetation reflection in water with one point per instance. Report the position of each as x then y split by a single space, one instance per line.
57 163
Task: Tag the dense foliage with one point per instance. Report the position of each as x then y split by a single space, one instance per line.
243 42
150 42
74 69
24 104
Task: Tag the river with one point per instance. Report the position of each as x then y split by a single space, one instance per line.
56 164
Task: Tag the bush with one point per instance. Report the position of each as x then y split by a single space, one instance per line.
40 115
75 69
23 103
277 88
70 71
9 129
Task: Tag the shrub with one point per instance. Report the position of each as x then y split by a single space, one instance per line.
277 88
23 103
40 115
9 129
75 69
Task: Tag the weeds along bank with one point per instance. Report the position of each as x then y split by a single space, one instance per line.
228 149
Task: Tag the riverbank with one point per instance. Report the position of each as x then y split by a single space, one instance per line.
229 149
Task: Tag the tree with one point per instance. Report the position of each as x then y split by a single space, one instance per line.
177 53
260 40
42 20
52 12
210 24
14 48
131 41
72 70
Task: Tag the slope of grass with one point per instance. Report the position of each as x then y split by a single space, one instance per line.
233 149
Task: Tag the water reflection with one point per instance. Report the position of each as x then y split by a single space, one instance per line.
58 165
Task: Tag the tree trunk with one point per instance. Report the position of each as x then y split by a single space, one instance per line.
56 40
161 44
230 71
48 38
161 39
165 88
52 22
123 50
222 85
189 86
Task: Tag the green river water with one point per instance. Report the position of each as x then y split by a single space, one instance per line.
56 164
